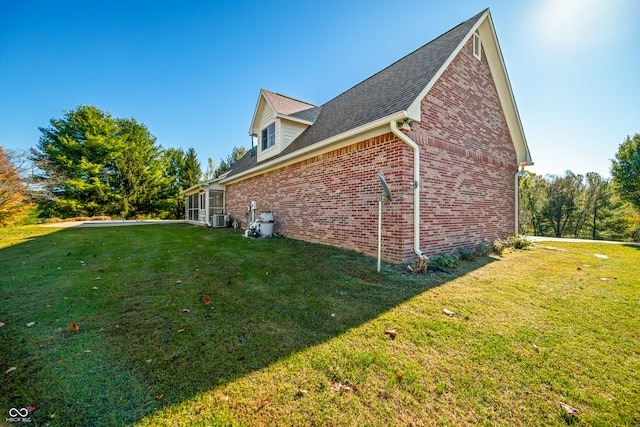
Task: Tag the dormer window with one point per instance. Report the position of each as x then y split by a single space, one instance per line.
269 136
477 46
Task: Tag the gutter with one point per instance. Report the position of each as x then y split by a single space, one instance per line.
416 194
314 147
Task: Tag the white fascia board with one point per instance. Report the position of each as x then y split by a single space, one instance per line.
255 111
195 188
415 108
484 26
212 183
505 92
311 150
294 119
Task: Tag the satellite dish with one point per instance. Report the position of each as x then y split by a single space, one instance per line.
386 191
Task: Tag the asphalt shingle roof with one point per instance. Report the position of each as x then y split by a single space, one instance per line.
286 105
387 92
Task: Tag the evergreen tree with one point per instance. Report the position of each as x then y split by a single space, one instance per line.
225 164
82 148
191 172
94 164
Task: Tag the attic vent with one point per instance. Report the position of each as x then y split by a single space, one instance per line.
477 46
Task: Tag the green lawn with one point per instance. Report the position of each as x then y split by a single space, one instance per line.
294 333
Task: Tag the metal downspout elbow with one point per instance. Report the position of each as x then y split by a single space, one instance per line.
416 194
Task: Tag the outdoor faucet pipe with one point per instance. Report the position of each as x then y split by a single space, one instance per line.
416 194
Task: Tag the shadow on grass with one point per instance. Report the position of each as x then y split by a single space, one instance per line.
167 312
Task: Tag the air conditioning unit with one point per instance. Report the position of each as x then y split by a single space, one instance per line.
219 220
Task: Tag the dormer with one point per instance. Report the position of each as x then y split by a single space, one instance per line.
277 121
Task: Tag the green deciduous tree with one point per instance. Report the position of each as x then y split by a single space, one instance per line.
625 170
562 202
532 192
14 204
574 206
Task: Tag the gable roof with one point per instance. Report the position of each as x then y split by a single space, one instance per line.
285 105
397 88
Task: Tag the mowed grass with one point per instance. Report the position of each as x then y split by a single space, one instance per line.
294 333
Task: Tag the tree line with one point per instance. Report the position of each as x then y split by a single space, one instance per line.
585 206
89 163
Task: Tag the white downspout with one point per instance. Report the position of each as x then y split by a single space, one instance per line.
416 194
517 196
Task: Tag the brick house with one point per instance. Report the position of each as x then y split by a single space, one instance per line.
443 116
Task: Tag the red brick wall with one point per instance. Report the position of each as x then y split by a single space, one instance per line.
468 159
467 178
332 198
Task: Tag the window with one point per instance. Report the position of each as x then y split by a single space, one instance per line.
193 211
477 46
269 136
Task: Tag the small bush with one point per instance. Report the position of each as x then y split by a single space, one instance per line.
101 218
512 242
498 247
445 260
518 242
467 254
483 249
82 218
52 220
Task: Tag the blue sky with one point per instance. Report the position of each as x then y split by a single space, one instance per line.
191 71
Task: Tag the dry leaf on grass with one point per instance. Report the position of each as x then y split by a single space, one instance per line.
11 369
448 312
206 301
186 310
392 333
74 327
570 409
2 324
30 324
339 387
264 402
180 331
159 396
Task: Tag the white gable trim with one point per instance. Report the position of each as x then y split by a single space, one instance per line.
262 96
484 27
